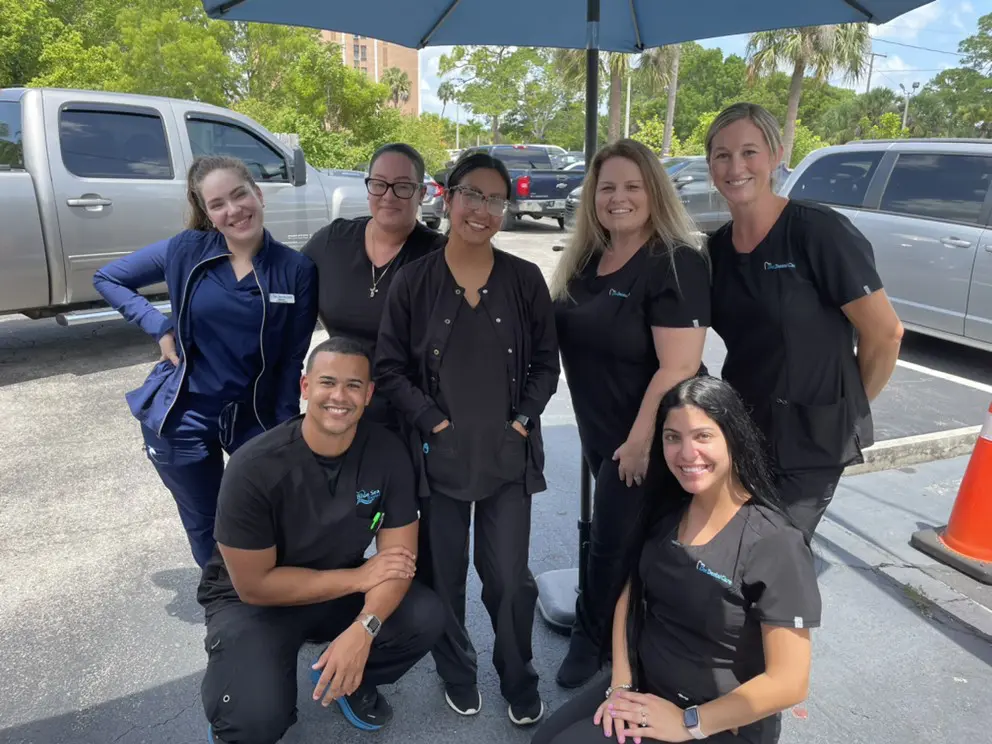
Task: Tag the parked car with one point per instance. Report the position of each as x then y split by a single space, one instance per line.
539 190
926 207
87 177
432 206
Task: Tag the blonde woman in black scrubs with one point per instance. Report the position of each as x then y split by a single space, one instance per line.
632 304
792 282
357 259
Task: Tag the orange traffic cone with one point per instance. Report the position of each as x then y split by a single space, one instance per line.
965 543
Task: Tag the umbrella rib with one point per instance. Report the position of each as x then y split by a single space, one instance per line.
427 39
637 27
222 9
861 9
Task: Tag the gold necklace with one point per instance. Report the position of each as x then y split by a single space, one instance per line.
374 289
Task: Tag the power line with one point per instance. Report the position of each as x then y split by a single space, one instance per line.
922 48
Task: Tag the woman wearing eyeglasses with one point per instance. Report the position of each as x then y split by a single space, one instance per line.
357 259
468 355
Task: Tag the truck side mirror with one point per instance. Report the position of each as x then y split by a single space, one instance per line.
299 167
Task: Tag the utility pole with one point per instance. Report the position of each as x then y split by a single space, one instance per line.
458 124
626 122
871 66
908 94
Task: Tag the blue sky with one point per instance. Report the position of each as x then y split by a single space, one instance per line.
937 26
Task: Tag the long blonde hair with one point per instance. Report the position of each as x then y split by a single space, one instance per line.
671 224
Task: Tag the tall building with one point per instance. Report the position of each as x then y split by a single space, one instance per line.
374 57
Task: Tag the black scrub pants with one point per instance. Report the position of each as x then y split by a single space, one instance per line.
509 592
249 689
616 508
572 723
189 458
806 494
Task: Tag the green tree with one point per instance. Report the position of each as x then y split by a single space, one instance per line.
967 94
805 143
978 48
447 92
652 133
889 126
695 143
822 50
399 86
491 79
659 68
27 28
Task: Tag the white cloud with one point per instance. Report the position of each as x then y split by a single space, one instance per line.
908 27
429 102
967 7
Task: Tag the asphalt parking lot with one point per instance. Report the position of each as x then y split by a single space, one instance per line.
103 640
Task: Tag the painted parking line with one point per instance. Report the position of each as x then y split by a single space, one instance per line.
945 376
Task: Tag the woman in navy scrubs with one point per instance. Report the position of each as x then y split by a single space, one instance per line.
632 304
711 619
467 354
357 259
244 307
792 282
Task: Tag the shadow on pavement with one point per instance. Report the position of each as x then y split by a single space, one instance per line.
183 582
38 349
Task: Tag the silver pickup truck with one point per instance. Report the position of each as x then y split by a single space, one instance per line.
87 177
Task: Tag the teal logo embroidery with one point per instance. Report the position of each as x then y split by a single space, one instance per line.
427 448
778 267
621 295
366 497
700 566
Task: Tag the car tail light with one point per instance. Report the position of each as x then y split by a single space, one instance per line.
523 186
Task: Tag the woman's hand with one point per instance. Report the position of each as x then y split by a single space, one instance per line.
633 457
647 717
168 346
441 427
612 724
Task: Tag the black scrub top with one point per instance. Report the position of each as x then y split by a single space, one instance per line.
345 303
318 512
790 348
604 332
480 452
705 605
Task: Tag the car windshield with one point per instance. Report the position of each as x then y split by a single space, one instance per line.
674 165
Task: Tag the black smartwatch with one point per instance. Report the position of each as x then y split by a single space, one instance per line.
524 421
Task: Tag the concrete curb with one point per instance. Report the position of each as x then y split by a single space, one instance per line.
899 453
921 587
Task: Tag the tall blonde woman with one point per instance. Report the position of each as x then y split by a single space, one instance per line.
792 282
632 304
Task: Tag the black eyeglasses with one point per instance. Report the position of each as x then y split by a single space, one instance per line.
472 199
402 189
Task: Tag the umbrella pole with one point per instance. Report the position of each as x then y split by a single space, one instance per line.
557 590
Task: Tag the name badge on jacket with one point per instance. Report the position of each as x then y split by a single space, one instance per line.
282 299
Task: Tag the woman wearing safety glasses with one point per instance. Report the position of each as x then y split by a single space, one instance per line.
468 355
357 259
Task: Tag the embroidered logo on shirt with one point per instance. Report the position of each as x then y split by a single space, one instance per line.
700 566
798 621
282 299
778 267
366 497
621 295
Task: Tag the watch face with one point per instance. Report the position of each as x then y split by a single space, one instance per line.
690 718
373 624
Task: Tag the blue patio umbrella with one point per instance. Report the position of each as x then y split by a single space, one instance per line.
607 25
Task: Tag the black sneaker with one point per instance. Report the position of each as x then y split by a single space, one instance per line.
366 709
579 666
527 713
465 700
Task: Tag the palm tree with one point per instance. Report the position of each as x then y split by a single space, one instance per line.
822 50
446 91
659 67
398 83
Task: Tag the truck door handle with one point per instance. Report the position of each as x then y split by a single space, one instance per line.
89 201
953 242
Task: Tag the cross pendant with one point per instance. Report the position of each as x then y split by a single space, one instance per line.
372 292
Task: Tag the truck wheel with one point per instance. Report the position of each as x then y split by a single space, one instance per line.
509 221
561 223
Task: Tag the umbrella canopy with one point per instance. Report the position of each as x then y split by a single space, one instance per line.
624 25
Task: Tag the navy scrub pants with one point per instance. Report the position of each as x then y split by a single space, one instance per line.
189 458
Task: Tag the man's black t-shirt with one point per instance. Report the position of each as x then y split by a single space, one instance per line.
345 303
790 348
604 332
275 493
705 605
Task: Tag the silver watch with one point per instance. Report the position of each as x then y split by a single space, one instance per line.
690 719
371 623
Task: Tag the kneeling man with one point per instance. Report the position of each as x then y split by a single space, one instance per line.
298 507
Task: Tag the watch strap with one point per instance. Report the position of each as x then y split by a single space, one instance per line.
690 719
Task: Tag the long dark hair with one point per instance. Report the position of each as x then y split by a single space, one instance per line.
665 496
199 170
